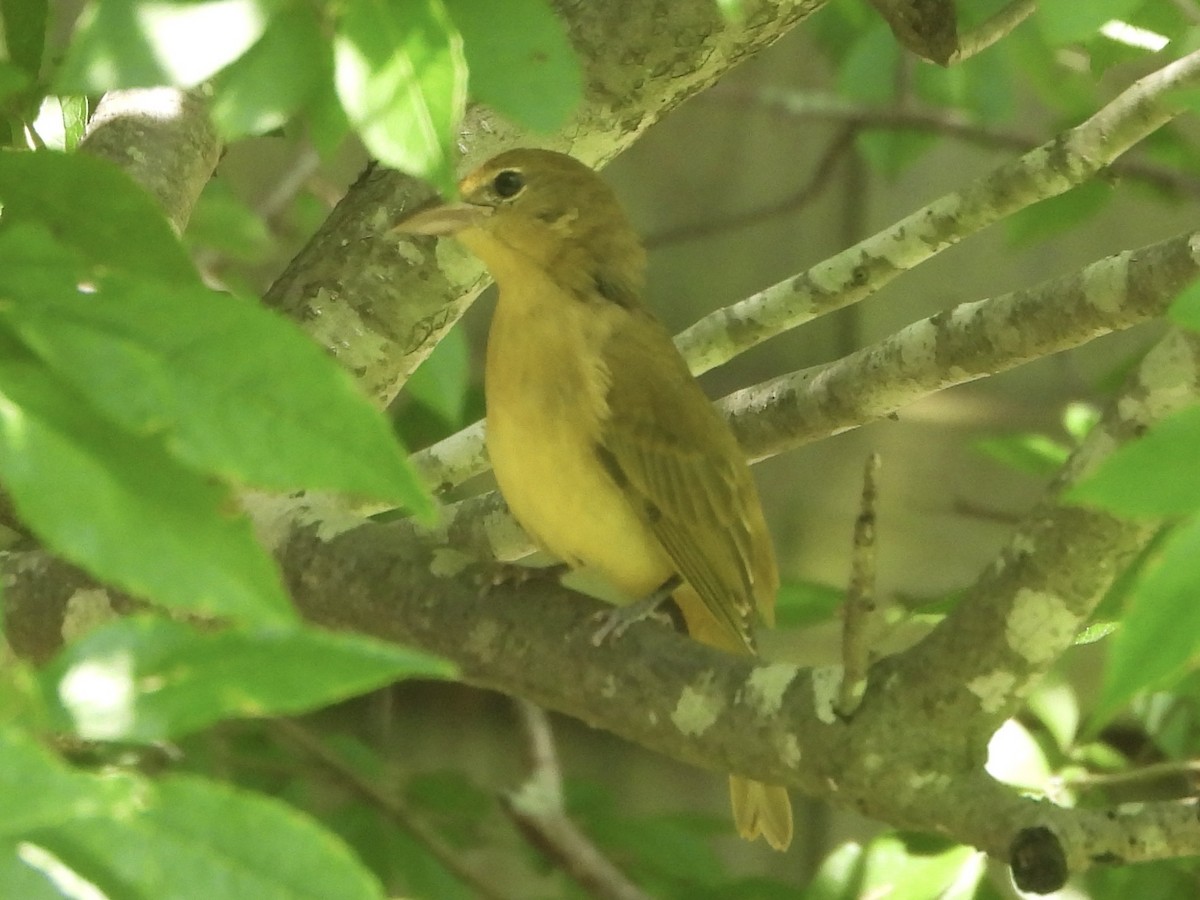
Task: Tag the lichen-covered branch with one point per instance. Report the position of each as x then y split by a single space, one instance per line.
1051 169
962 344
163 138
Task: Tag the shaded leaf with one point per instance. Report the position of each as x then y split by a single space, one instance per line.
40 790
120 506
1155 475
521 62
1066 21
1030 452
192 838
441 382
1159 637
23 28
145 680
800 604
94 207
233 388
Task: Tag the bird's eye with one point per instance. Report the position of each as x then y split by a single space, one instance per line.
508 183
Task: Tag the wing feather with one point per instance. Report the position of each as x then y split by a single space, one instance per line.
682 465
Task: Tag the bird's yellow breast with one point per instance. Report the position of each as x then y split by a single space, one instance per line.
546 388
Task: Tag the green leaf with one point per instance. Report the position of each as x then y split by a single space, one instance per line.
902 867
192 839
840 875
868 75
1171 879
1186 308
1069 91
92 206
40 790
13 81
274 79
444 793
221 221
326 121
1051 217
1066 21
521 62
1159 636
800 604
441 382
422 873
662 847
732 10
1032 453
143 43
120 506
402 80
1079 419
232 387
21 875
75 119
23 28
1155 475
150 679
61 122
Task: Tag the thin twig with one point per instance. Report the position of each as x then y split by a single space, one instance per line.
860 597
1186 771
391 806
820 179
995 28
947 122
1054 167
537 809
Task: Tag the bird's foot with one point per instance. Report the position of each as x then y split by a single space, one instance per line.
614 622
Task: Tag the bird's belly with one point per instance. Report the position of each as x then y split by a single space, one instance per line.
542 435
560 493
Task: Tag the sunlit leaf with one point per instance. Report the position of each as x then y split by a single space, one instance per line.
402 80
143 43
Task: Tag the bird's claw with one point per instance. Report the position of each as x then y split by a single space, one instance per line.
615 622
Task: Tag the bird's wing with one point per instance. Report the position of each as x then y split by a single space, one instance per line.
671 451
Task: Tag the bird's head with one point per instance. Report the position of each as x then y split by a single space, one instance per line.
540 208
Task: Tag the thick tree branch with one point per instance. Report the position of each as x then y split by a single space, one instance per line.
163 138
962 344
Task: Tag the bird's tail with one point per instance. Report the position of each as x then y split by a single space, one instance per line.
761 810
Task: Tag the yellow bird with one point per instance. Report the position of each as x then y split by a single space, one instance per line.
604 446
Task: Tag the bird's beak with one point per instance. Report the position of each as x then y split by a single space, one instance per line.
442 219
